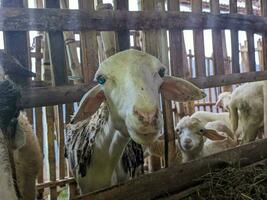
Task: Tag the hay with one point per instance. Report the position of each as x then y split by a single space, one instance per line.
234 184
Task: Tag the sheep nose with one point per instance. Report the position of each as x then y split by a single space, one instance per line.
188 141
146 117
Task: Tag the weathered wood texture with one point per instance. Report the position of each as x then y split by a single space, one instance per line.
176 179
89 49
198 38
35 97
218 61
14 19
122 34
234 40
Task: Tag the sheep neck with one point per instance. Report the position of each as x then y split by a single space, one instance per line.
108 148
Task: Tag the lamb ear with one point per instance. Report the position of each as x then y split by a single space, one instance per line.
89 104
213 135
178 89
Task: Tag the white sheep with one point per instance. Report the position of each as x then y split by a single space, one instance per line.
19 149
246 110
223 101
195 139
128 92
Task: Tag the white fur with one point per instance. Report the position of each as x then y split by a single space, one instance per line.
246 110
132 82
191 128
27 158
224 101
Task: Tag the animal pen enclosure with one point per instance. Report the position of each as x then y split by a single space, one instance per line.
70 43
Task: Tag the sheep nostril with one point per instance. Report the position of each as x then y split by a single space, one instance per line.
188 141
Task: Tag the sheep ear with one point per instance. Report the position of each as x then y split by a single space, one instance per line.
213 135
180 90
89 104
218 103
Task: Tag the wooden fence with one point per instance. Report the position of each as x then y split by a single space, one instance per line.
51 102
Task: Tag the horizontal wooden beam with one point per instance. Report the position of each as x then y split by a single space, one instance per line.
176 179
25 19
229 79
47 96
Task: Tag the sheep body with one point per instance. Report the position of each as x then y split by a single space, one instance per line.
246 110
193 137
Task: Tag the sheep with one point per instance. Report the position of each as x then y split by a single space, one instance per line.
20 150
195 139
123 106
224 101
246 110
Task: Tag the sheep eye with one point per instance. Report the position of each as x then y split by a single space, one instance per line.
201 130
161 72
101 79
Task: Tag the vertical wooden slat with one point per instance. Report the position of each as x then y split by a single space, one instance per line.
264 51
123 35
218 58
38 111
250 39
198 42
50 134
151 47
177 60
234 41
59 77
89 50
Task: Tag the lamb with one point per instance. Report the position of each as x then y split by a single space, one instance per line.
195 139
224 101
123 106
246 110
20 151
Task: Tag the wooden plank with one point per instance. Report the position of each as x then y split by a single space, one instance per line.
198 38
166 181
218 61
152 48
177 69
89 48
14 19
234 40
59 77
39 112
122 34
44 96
250 39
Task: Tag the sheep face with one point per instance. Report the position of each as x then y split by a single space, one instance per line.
129 83
190 134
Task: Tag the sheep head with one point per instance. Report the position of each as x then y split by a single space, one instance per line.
192 133
130 83
223 101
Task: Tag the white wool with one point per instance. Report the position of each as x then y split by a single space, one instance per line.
246 110
193 128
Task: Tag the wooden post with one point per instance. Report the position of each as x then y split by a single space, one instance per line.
123 35
89 50
264 51
199 42
250 39
218 59
59 77
234 41
39 111
151 47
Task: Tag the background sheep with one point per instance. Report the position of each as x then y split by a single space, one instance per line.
246 110
128 92
196 139
20 141
223 101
